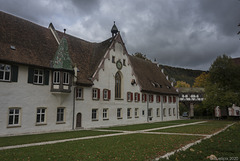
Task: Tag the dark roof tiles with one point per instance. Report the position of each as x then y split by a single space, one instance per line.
150 77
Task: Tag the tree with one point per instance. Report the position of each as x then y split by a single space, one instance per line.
222 86
140 55
182 84
201 80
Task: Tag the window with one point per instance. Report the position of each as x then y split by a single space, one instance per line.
129 96
164 99
169 112
150 112
79 93
105 114
174 113
174 99
137 97
144 97
158 112
169 99
106 94
113 59
118 85
65 78
129 113
158 99
124 62
164 112
38 76
41 115
60 114
143 112
14 116
119 113
95 94
136 113
5 72
94 114
56 77
150 98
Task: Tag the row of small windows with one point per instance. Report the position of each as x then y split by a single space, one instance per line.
14 118
35 76
105 113
107 96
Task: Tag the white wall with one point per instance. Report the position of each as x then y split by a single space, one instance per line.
28 97
106 80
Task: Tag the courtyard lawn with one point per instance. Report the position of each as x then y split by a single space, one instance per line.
137 127
125 147
225 146
209 127
25 139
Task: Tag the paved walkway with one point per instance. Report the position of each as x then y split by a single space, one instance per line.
122 132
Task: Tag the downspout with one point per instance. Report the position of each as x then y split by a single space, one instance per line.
74 92
177 105
161 107
147 107
73 122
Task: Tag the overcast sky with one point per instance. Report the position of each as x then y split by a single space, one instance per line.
180 33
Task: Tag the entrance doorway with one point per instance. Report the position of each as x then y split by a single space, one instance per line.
79 120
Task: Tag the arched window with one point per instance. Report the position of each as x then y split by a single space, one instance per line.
117 85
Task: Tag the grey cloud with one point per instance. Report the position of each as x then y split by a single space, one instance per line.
184 33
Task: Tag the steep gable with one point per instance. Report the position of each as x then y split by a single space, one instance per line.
150 77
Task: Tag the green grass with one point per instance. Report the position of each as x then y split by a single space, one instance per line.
25 139
225 146
125 147
209 127
137 127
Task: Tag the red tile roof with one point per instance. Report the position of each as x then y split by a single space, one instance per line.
35 45
150 77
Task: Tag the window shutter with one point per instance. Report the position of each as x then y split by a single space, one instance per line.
14 73
98 90
109 94
30 75
131 96
145 97
46 77
138 97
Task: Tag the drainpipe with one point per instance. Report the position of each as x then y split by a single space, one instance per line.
177 106
73 121
161 107
147 107
74 92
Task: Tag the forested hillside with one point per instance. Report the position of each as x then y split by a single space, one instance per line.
181 74
174 73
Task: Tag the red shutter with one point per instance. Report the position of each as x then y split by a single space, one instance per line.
109 94
138 97
152 98
145 97
98 90
131 96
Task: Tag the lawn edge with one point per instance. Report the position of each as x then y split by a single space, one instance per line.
167 155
